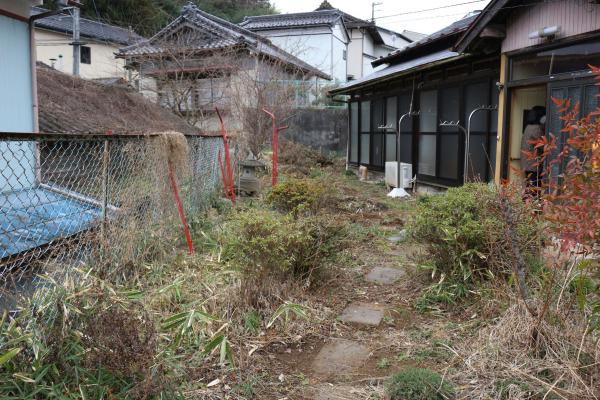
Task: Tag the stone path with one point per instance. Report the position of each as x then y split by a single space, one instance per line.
384 275
362 313
339 358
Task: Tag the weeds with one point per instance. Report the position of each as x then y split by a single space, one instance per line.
418 384
79 339
284 312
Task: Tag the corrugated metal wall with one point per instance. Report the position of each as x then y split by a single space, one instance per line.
573 16
16 104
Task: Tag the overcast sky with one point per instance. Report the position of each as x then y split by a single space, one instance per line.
424 22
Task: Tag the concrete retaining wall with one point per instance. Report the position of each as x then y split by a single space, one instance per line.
322 129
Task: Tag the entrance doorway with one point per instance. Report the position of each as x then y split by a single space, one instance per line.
522 101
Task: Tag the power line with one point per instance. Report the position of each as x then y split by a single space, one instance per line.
432 9
425 18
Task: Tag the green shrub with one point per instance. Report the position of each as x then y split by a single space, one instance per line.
267 245
418 384
297 195
465 232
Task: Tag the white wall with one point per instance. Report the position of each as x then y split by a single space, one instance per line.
392 39
355 54
339 70
104 63
320 47
368 54
16 105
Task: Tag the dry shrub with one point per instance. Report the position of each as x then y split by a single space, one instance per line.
123 341
298 196
301 159
520 357
275 251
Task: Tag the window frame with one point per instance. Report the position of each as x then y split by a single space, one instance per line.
403 87
89 55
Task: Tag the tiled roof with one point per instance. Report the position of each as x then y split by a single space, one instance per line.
63 23
276 21
452 29
320 17
216 34
68 104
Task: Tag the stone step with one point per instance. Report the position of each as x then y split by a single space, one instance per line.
384 275
339 357
363 313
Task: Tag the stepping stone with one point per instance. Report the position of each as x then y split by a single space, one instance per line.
400 237
361 313
384 275
340 356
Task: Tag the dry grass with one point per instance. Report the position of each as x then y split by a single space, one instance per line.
520 357
83 106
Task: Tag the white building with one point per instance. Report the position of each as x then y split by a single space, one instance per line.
337 43
54 38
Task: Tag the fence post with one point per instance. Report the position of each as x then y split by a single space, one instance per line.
105 160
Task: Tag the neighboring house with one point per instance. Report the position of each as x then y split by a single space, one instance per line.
54 38
200 61
337 43
485 59
18 101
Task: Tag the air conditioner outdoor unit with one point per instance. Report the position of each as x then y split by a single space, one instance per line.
391 174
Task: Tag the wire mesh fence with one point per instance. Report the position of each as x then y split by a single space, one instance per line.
103 202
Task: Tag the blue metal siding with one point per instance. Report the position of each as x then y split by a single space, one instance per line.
36 217
16 105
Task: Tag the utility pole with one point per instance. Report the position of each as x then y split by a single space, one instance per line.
373 5
76 42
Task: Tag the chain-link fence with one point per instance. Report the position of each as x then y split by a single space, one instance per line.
106 202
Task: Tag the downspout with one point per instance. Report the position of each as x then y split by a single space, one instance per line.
33 59
34 91
34 99
34 87
331 55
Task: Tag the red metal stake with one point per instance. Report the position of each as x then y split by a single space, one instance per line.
188 237
227 157
275 144
225 184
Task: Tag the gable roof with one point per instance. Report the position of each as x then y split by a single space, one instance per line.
63 23
220 34
486 16
441 37
72 105
322 16
292 20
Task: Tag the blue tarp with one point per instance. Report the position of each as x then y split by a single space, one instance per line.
31 218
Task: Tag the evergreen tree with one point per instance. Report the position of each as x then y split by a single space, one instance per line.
146 17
